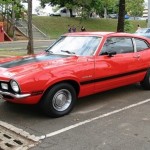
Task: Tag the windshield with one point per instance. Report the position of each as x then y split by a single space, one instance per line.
75 45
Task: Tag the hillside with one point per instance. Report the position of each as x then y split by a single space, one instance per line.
56 26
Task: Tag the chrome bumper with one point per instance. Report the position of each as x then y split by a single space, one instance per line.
14 95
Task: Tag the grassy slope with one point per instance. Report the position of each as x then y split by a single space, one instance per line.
56 26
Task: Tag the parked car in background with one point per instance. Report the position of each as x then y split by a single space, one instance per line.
138 18
76 65
143 32
113 16
63 12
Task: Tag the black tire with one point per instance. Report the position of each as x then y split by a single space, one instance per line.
146 82
59 100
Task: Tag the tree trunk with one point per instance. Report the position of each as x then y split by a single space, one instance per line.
7 17
30 33
120 27
2 6
13 20
71 14
105 12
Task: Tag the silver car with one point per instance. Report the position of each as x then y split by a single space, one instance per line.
143 32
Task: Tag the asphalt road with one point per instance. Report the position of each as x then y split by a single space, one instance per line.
118 119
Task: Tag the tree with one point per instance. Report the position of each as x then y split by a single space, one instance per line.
121 14
103 7
135 7
86 6
30 33
11 10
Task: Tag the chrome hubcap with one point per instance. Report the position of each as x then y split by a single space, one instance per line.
62 100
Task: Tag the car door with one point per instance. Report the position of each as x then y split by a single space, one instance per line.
114 70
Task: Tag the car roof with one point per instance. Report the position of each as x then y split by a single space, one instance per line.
144 28
100 34
88 33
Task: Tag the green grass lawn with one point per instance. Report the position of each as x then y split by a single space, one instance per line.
56 26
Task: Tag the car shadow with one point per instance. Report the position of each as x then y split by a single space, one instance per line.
106 97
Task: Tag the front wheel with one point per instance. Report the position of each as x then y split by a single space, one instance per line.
59 100
146 82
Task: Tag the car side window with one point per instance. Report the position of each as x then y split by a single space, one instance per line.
140 44
148 31
118 44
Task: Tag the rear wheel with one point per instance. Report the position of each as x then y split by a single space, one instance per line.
146 82
59 100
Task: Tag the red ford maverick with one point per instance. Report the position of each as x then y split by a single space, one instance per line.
76 65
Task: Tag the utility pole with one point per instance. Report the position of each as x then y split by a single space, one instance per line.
148 14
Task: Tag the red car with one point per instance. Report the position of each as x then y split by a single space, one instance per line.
76 65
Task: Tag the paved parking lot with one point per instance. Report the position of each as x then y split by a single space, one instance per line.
118 119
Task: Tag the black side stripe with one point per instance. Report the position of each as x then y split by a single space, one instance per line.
113 77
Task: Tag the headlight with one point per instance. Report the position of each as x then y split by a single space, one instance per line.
4 86
14 85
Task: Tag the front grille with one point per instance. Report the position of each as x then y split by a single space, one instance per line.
9 88
7 97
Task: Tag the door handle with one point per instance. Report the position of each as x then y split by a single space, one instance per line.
136 56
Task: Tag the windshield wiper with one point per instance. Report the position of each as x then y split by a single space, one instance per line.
66 51
47 50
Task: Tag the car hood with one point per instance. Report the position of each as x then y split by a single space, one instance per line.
30 64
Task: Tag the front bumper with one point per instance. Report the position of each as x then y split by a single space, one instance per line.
16 96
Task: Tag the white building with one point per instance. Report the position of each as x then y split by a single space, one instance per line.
145 13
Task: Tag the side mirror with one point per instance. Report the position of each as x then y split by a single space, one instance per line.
109 53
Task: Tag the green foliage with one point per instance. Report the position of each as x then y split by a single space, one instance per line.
62 3
110 5
128 26
10 5
135 7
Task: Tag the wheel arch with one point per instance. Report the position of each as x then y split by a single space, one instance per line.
145 83
74 84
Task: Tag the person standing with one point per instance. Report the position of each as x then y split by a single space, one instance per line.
83 29
69 28
138 26
73 29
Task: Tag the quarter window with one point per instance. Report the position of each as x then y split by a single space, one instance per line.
141 45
